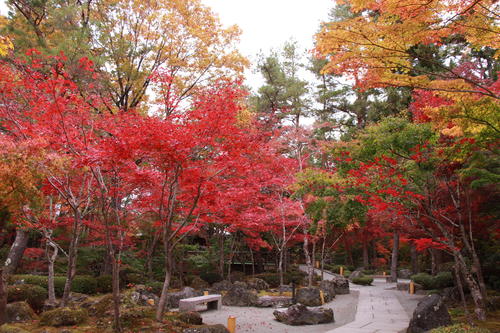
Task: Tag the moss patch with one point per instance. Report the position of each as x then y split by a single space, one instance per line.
64 317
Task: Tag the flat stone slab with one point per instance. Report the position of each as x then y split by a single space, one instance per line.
213 301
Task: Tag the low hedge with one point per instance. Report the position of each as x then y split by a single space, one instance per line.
83 284
459 328
429 282
363 280
210 277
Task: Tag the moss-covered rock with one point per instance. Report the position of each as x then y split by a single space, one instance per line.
19 312
34 295
135 316
198 283
6 328
363 280
64 317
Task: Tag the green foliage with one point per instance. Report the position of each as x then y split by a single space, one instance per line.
368 272
272 279
8 328
34 295
64 317
459 328
84 284
363 280
131 317
104 284
429 282
155 287
211 277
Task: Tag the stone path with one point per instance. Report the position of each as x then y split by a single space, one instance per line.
378 310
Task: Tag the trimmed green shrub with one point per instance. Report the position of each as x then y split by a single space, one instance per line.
34 295
84 284
443 280
211 277
363 280
459 328
272 279
368 272
134 278
429 282
64 317
104 284
424 279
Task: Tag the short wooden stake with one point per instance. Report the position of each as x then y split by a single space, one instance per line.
384 273
205 293
322 296
317 264
412 287
341 270
231 324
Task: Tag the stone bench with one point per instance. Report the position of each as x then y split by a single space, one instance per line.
213 302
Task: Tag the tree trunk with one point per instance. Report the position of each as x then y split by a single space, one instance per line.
166 283
3 295
280 265
414 258
253 261
308 262
323 258
13 258
116 292
460 287
433 262
394 257
51 258
72 255
150 254
221 254
366 262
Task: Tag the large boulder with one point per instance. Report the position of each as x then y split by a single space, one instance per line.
64 317
356 274
341 284
240 295
174 298
299 314
309 296
19 312
430 313
273 301
223 285
328 288
191 317
207 329
257 284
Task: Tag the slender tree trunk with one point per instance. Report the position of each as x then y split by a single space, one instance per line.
116 293
433 262
15 254
3 295
414 258
166 283
253 261
310 269
366 262
72 255
460 287
150 254
280 265
475 291
394 257
323 258
221 254
51 258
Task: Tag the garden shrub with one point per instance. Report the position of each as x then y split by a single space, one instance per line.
429 282
34 295
363 280
459 328
212 277
424 279
84 284
104 284
368 272
133 278
443 280
272 279
237 276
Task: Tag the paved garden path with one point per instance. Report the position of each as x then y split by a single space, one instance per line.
379 308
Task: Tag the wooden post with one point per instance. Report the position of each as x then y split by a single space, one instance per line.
231 324
205 293
412 287
341 270
322 297
384 273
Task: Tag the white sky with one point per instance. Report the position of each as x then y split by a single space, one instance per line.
267 24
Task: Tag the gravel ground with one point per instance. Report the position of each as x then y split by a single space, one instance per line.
261 320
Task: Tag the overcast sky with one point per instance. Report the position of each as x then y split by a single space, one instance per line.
267 24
